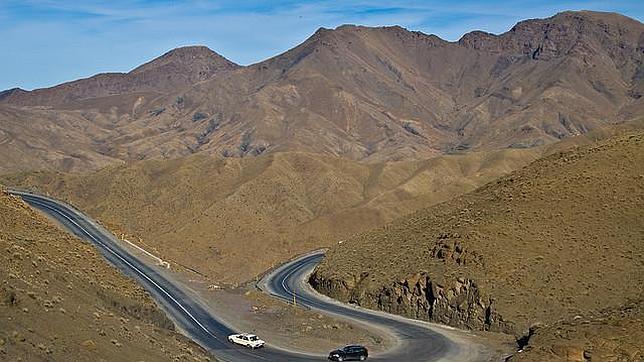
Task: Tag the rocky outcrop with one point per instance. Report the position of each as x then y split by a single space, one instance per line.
459 303
613 334
449 249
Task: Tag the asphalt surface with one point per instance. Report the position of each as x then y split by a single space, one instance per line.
417 342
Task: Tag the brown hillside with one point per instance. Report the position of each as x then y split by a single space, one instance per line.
388 93
175 69
45 139
364 93
613 334
54 308
215 215
559 238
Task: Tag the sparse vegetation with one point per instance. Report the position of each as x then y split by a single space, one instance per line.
41 279
278 204
157 111
203 136
556 239
199 116
246 140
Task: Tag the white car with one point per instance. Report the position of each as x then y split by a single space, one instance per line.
246 339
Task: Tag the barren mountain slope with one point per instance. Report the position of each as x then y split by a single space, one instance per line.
364 93
54 307
559 238
579 69
44 139
614 334
215 214
82 125
173 70
388 93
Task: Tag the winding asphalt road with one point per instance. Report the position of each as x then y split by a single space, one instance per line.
417 342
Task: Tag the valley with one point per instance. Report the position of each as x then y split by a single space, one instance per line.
213 214
484 194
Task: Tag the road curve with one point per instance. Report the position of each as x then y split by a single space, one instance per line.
416 341
189 315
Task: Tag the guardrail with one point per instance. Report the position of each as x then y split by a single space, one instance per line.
160 261
15 191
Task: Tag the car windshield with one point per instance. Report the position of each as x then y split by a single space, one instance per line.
253 338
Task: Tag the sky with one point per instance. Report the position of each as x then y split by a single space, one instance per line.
47 42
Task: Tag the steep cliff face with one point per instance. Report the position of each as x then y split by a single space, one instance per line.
459 303
453 300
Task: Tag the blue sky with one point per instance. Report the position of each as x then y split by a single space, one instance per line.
46 42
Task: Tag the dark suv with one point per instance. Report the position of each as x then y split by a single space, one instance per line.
349 353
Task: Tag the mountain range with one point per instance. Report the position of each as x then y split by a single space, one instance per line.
368 94
493 183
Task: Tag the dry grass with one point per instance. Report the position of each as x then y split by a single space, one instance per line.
615 335
231 219
55 307
558 238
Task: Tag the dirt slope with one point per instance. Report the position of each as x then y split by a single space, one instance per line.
45 139
614 334
54 308
363 93
215 214
198 210
559 238
178 68
78 125
388 93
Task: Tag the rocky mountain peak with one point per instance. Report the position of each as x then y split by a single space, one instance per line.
187 57
584 33
9 92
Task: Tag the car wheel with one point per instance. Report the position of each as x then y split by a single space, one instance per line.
362 358
340 359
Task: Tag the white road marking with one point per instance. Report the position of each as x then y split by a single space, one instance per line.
288 290
131 266
35 199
